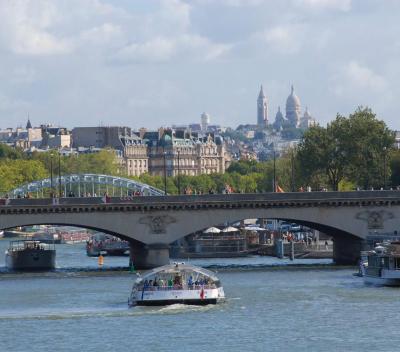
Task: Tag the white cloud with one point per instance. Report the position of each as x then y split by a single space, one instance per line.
201 48
106 33
176 10
155 50
340 5
25 28
286 39
357 76
233 3
186 47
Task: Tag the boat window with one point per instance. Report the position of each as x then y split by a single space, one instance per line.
385 262
176 280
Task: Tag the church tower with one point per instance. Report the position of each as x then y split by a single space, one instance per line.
28 124
262 110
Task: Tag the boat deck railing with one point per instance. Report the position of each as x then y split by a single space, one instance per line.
176 287
29 245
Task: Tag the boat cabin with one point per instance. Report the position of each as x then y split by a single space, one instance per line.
385 256
177 276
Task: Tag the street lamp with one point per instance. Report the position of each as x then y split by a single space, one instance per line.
292 171
384 167
274 180
59 175
179 174
51 174
165 173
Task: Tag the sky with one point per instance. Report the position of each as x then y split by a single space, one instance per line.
151 63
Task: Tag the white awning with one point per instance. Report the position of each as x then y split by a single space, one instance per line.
230 229
212 230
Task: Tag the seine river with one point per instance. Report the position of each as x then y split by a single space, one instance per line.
269 308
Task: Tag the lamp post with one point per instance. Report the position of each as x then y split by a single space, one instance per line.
51 175
59 175
292 170
274 180
384 167
179 174
165 173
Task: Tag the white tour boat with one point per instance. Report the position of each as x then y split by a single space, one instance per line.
381 266
177 283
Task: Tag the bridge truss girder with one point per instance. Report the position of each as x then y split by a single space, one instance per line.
86 183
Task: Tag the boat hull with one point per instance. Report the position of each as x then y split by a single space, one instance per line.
381 281
193 302
167 297
31 260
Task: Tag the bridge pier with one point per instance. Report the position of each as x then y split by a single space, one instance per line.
148 256
346 250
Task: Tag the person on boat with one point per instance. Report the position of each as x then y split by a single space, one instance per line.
190 282
177 281
155 284
170 282
145 285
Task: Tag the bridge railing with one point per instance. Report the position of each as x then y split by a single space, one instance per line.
212 198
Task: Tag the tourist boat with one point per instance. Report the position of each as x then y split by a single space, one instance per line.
215 243
103 244
381 266
30 255
177 283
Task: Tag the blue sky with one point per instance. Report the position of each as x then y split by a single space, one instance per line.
161 62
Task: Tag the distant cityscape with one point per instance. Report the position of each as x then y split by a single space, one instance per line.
192 149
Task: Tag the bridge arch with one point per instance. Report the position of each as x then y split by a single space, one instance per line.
86 183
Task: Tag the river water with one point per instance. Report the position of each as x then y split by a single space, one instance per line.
268 308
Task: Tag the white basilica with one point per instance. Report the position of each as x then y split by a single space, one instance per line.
293 116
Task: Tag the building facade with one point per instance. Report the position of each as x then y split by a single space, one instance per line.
181 153
133 151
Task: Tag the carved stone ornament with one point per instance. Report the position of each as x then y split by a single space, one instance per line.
157 224
374 218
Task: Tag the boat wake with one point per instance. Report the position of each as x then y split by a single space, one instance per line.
183 308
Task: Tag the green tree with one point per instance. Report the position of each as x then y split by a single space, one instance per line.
369 145
354 148
395 168
14 173
7 152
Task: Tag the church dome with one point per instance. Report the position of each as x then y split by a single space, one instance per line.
293 101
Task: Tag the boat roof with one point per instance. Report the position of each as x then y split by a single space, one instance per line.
27 241
177 267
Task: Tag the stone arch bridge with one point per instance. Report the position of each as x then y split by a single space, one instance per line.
151 223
